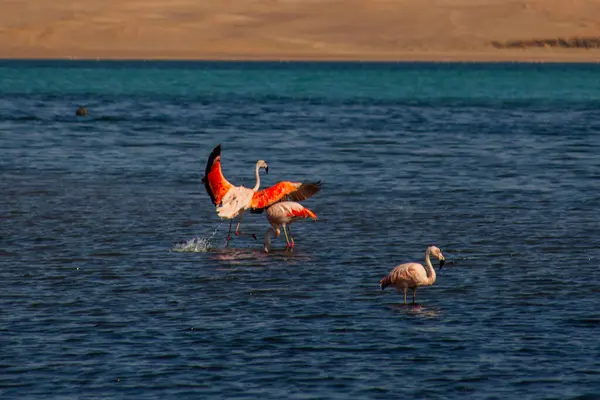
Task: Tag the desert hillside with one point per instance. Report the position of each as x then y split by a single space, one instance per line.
301 29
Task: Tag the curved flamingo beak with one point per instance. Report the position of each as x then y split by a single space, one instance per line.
267 169
442 262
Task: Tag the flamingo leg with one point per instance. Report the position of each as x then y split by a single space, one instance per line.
237 228
414 293
291 237
404 295
287 241
229 234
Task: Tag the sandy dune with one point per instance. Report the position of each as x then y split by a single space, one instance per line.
295 29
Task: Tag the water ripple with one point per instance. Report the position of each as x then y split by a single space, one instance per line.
115 280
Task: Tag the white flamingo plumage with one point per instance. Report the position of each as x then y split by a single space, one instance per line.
283 214
412 275
233 204
232 201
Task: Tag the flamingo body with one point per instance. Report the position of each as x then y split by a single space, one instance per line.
409 275
283 214
413 275
235 202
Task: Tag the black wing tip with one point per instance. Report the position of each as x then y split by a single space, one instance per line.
211 159
305 191
216 151
317 186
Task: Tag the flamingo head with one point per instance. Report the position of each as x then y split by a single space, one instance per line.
262 164
437 253
267 245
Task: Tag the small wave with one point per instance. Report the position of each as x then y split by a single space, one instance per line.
197 244
20 118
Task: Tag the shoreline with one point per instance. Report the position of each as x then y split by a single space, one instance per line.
567 57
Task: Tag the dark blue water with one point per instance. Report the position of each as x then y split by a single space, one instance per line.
498 165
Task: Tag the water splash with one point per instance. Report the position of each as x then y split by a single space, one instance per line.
197 244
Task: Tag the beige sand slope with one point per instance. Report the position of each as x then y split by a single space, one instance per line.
295 29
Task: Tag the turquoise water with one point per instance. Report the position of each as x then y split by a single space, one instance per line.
115 280
321 81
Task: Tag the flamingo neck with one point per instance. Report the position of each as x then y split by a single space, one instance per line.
430 271
270 231
255 188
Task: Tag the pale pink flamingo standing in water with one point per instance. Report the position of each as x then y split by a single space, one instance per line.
413 275
232 201
283 214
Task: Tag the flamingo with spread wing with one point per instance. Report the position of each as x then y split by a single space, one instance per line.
232 201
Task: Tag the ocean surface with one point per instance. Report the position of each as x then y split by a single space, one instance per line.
115 281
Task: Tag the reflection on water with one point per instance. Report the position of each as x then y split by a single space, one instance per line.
239 256
419 310
257 257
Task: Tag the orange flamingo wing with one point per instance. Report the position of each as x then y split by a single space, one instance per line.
215 183
293 191
303 213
